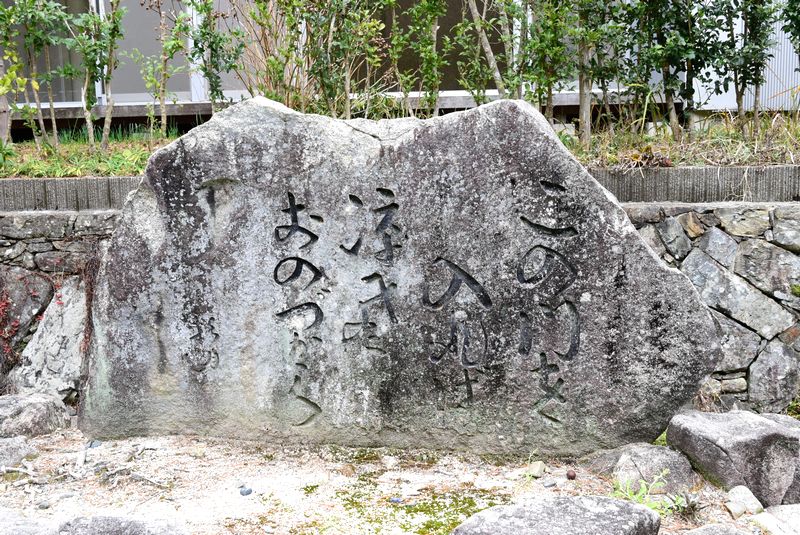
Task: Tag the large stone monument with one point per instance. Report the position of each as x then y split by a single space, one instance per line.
460 282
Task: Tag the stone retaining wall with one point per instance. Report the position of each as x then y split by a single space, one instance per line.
744 260
53 241
39 252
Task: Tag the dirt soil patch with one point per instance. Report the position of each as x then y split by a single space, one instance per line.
219 486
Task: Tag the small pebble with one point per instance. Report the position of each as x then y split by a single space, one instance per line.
245 491
396 500
571 475
94 444
548 483
348 470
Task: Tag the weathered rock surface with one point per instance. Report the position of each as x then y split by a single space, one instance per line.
60 262
745 497
13 450
650 236
691 224
731 295
27 225
786 228
719 246
674 238
784 420
398 283
739 344
769 524
774 378
14 523
23 296
630 464
739 448
744 221
792 425
51 362
788 515
119 525
716 529
30 415
583 515
769 268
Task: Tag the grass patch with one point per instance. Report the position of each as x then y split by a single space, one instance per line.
430 513
366 455
310 489
504 459
439 514
419 458
661 440
127 155
718 142
794 408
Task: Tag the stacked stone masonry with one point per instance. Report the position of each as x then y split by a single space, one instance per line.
743 259
53 241
41 253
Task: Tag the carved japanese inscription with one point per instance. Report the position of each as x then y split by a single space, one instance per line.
458 283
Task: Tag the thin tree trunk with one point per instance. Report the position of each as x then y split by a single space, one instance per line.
741 116
396 69
688 107
162 86
110 61
607 108
36 99
584 96
548 110
5 109
347 93
435 37
669 100
87 112
31 123
487 48
505 28
523 41
151 119
108 115
674 123
50 96
756 120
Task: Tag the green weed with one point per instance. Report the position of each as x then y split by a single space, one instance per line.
683 504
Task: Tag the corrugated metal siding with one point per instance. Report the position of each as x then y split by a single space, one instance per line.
780 92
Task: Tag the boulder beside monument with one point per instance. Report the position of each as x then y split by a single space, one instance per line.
460 282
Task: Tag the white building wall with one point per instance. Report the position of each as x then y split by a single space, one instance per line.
779 92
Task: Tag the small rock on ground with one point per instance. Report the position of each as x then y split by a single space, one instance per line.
739 448
13 523
117 525
788 515
716 529
583 515
30 415
14 450
630 464
771 525
743 496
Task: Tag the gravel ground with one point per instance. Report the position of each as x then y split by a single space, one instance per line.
333 490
